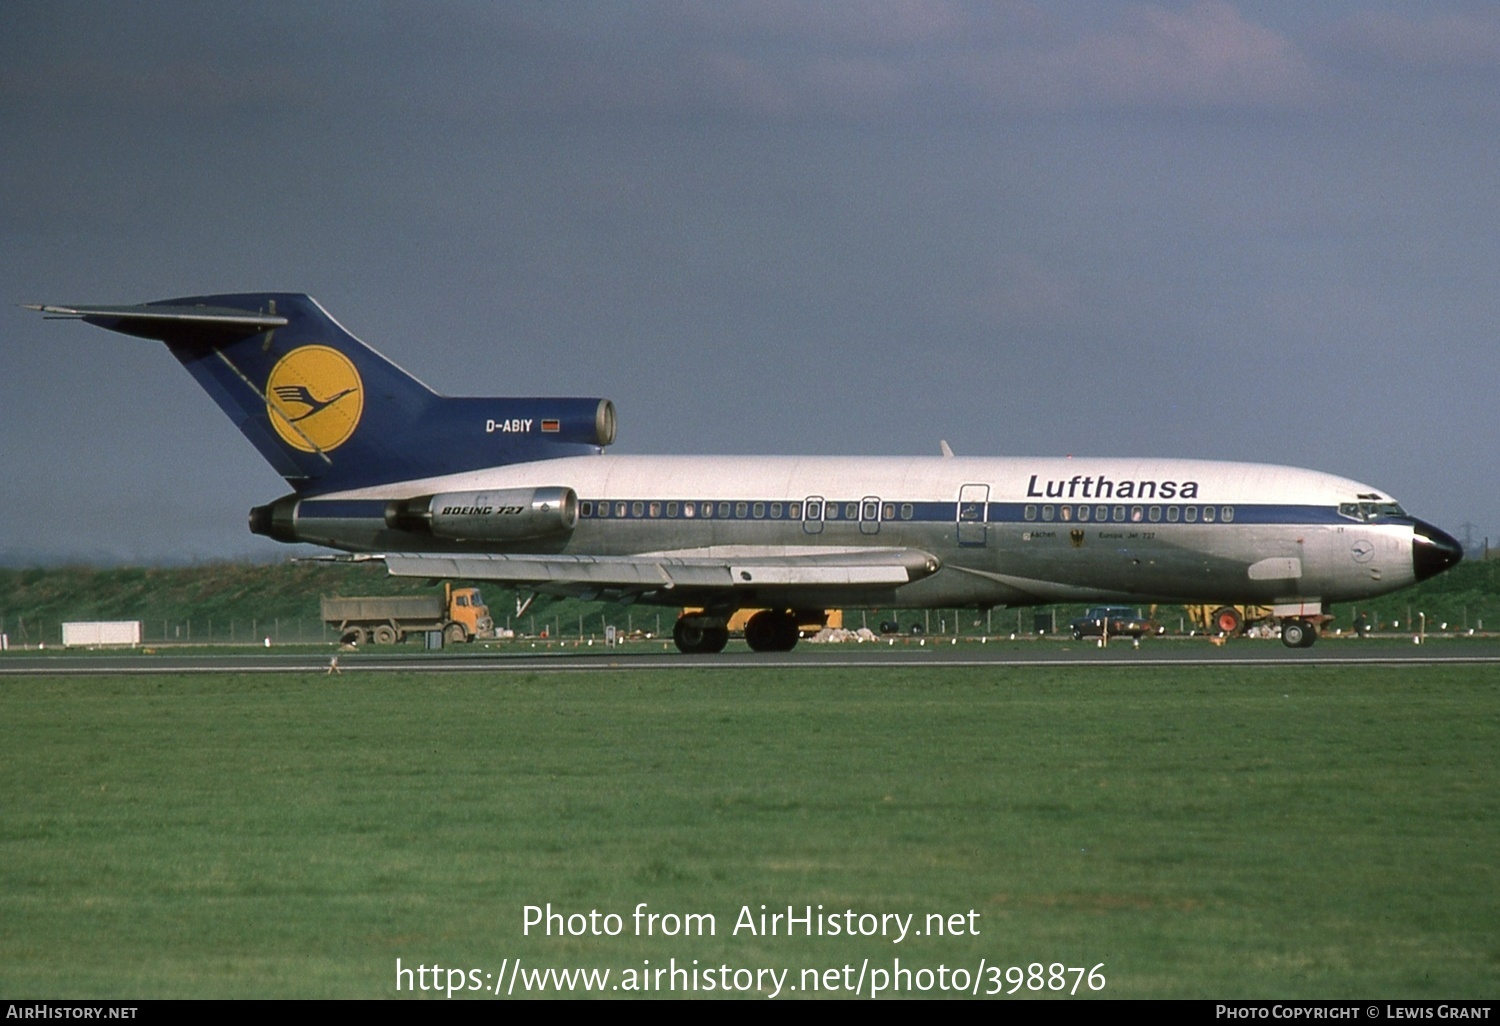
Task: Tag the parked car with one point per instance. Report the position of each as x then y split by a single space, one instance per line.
1121 620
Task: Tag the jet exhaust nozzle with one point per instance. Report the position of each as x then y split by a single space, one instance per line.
276 520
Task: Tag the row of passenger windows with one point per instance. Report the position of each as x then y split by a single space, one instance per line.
1133 514
868 510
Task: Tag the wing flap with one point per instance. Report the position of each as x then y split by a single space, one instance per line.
590 571
866 568
745 575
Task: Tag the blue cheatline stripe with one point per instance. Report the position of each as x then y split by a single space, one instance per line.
1061 513
341 509
1168 514
946 512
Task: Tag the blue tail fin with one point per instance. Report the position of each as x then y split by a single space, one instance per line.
330 413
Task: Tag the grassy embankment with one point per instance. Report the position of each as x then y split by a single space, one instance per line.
247 602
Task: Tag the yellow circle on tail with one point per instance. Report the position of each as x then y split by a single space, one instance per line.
314 398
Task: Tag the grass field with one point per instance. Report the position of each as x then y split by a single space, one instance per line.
239 602
1240 832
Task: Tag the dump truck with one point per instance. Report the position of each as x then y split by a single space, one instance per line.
460 613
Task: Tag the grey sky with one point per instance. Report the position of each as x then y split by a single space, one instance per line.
1259 231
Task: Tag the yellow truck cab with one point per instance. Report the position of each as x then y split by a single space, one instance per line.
466 608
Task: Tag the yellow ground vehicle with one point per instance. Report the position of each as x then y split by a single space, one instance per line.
460 613
768 630
809 621
1228 620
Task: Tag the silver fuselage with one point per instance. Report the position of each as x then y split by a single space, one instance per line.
1005 531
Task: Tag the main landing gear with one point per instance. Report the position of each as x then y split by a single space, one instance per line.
772 630
767 630
698 635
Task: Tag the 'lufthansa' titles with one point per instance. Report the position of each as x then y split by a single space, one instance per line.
1101 487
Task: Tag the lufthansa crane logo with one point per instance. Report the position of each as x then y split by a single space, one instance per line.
314 398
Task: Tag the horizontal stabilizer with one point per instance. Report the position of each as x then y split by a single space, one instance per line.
166 322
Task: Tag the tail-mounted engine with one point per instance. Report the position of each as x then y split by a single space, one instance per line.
505 515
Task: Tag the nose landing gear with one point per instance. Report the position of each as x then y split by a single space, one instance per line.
1297 633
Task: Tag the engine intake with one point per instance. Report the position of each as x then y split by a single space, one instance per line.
504 515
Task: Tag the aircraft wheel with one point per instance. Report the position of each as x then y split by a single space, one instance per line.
688 639
771 631
455 634
760 631
385 634
1227 620
788 635
715 638
1298 634
699 640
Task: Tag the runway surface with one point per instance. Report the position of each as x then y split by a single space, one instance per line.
573 658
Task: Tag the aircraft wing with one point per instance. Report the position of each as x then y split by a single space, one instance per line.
590 576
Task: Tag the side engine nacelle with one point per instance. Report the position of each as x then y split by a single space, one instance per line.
503 515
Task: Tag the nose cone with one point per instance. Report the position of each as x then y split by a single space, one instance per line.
1433 551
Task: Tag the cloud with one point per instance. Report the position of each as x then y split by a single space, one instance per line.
783 60
865 24
939 60
1468 41
1206 56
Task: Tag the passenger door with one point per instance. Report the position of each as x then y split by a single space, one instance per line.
972 514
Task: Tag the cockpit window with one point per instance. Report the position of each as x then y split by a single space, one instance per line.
1367 511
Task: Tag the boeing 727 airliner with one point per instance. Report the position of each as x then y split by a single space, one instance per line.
519 491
